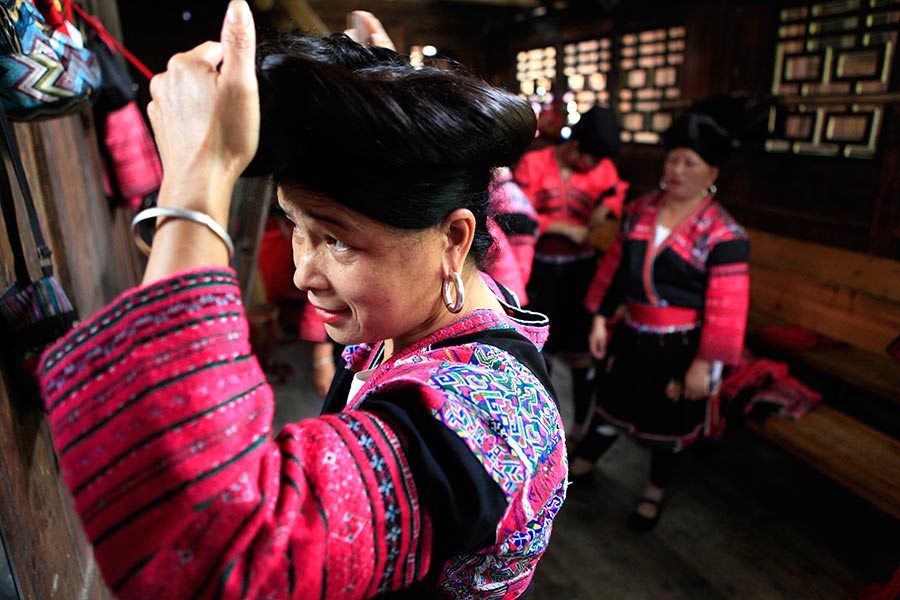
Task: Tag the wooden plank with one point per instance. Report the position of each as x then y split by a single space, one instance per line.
46 542
250 204
875 373
92 254
843 314
876 276
851 453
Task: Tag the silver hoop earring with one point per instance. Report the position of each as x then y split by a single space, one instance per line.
711 190
454 305
662 183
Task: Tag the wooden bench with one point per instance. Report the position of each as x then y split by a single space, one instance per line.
854 299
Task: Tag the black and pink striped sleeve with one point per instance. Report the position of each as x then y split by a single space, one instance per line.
727 300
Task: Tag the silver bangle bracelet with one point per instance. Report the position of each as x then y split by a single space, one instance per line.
179 213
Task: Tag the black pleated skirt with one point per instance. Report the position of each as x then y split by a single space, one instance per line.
640 387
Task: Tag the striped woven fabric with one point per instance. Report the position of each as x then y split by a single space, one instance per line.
43 299
132 155
31 318
162 419
42 70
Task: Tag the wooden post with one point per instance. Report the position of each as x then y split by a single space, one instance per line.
250 204
108 13
43 536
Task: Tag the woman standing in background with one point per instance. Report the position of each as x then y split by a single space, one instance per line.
573 187
680 268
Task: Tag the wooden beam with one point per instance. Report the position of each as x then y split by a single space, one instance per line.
108 13
838 312
516 3
304 16
874 275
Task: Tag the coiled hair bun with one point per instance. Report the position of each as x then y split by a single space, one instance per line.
402 145
331 99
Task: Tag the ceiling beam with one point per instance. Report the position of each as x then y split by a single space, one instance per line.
303 15
519 3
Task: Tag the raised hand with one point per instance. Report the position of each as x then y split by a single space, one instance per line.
205 116
365 28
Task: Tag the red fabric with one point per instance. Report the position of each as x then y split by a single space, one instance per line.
889 590
792 398
795 337
52 15
505 267
725 313
133 155
572 201
108 38
507 198
773 386
790 337
752 374
662 316
163 430
275 266
161 417
275 262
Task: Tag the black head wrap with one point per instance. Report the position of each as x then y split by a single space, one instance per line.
701 134
598 133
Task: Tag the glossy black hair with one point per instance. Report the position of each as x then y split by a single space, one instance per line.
598 132
401 145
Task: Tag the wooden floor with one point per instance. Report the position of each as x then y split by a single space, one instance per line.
743 521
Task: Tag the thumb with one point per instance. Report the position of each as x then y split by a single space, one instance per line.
238 42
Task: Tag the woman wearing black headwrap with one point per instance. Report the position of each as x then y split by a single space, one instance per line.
573 187
680 267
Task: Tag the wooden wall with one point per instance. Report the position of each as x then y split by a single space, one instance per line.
47 549
94 261
850 203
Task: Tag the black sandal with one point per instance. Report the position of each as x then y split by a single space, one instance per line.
638 523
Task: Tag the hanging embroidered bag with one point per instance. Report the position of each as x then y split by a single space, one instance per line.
44 70
33 313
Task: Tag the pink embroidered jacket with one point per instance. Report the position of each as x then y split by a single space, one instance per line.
571 201
513 225
162 419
